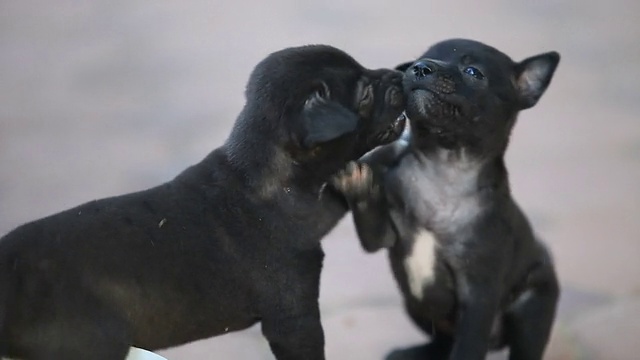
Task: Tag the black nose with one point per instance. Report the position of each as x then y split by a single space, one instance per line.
422 69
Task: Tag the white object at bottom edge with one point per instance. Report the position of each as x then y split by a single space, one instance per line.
139 354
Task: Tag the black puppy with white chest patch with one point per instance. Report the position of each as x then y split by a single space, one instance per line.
231 241
472 273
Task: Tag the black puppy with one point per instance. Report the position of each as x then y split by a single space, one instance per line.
229 242
472 273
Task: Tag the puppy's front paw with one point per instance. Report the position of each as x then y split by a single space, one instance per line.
355 181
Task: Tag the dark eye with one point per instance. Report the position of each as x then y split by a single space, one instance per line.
474 72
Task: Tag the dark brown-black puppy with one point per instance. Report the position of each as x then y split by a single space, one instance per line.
472 273
231 241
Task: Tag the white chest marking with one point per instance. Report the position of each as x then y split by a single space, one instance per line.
419 265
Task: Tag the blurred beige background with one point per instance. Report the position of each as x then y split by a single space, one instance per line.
99 98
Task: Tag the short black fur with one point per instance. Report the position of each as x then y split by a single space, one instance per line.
231 241
472 273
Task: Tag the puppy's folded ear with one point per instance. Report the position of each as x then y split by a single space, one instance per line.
533 76
364 95
404 66
325 120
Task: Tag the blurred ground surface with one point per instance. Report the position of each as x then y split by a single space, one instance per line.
104 97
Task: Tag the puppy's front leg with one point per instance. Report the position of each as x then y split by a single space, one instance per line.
363 189
291 315
295 336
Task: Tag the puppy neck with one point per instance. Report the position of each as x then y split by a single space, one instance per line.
268 169
256 157
428 140
452 164
462 170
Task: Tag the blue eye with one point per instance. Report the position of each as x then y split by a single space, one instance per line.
474 72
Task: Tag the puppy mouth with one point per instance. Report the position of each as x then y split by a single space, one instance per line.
391 132
435 112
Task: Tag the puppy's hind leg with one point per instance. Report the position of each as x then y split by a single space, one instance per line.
438 348
529 321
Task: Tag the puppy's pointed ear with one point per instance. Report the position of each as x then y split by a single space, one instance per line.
325 120
533 76
404 66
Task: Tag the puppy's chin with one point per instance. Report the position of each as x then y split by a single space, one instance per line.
428 104
433 114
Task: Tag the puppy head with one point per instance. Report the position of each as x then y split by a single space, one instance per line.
321 107
462 93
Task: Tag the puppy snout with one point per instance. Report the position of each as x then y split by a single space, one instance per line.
422 68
